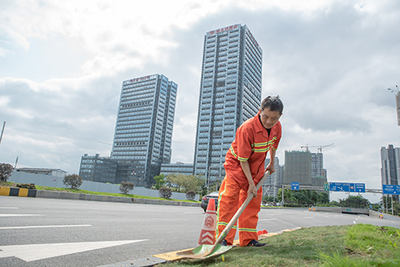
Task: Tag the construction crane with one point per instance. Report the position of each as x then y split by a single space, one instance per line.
319 147
307 146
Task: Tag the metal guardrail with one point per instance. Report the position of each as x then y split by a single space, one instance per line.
321 188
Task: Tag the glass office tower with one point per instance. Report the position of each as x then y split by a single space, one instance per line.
143 132
230 93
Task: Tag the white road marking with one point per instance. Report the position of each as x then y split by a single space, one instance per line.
16 215
42 226
9 208
356 220
35 252
267 219
308 217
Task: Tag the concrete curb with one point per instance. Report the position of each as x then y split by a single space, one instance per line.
342 210
17 192
22 192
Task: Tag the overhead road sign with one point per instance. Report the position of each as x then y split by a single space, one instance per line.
339 187
295 185
388 189
347 187
357 187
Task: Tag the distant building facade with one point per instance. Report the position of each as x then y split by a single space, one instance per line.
273 182
390 165
98 169
318 173
230 93
44 171
179 167
143 131
298 167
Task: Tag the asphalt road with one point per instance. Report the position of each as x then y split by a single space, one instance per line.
56 232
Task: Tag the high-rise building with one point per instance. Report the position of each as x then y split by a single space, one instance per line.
297 167
390 170
318 173
230 93
143 131
179 167
272 184
390 160
398 106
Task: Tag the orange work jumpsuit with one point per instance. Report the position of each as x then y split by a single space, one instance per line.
251 144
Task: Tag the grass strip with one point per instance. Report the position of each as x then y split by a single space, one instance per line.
351 245
81 191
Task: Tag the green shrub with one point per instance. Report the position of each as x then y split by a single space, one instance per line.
125 187
27 186
5 171
73 181
190 195
165 192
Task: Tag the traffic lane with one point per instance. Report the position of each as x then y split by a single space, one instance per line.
166 228
135 221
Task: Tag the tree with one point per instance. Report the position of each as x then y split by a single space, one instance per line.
165 192
301 197
185 182
323 198
355 202
125 187
190 195
160 181
5 171
334 203
268 199
74 181
287 195
388 205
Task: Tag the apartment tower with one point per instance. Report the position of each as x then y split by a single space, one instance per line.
143 131
230 93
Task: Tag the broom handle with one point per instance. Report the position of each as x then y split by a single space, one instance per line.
240 210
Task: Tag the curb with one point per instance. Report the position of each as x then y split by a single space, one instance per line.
17 192
22 192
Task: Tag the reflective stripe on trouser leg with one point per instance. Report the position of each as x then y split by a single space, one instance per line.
228 203
249 218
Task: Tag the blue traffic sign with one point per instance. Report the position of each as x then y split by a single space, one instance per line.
388 189
295 185
336 187
357 187
347 187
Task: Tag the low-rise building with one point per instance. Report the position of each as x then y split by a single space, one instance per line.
44 171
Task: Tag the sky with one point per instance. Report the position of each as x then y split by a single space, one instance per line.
62 64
